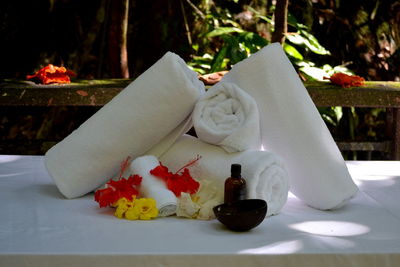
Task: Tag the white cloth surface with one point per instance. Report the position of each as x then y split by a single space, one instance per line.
153 187
150 113
228 116
40 228
292 128
265 174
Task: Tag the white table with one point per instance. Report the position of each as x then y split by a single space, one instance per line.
40 228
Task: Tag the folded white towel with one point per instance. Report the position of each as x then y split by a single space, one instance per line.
292 128
151 112
265 174
227 116
153 187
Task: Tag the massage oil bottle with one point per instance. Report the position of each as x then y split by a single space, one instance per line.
235 186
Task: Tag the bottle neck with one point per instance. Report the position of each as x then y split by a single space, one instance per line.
236 176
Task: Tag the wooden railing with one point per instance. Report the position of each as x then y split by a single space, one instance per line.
99 92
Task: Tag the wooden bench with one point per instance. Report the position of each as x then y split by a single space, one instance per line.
98 92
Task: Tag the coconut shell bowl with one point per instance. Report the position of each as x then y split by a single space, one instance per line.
241 215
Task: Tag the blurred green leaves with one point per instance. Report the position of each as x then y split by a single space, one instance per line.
222 31
307 40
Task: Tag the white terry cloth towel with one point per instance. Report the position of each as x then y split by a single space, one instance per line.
265 174
153 187
151 112
228 116
292 128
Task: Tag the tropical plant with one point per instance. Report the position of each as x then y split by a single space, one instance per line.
226 40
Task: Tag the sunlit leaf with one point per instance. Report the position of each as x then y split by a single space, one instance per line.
266 19
195 47
290 50
331 115
223 30
328 119
296 39
313 44
306 39
201 60
338 112
342 69
198 70
314 72
232 22
305 64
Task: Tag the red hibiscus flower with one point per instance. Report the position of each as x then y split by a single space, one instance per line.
52 74
178 182
122 188
345 80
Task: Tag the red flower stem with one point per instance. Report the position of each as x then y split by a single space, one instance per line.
124 166
193 161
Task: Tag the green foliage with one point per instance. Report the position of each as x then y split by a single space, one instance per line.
231 42
301 43
291 51
307 40
225 42
331 115
237 44
223 31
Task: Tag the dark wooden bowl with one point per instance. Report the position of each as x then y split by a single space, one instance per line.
242 215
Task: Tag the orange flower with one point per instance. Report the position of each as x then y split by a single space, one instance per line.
52 74
345 80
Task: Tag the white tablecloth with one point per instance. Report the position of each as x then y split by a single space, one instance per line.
38 227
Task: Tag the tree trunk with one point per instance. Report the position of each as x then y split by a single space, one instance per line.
281 11
117 46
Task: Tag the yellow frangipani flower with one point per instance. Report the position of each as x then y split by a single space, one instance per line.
146 207
122 207
142 208
132 214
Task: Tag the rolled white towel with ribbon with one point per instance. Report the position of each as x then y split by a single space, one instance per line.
265 174
292 128
228 117
153 187
151 113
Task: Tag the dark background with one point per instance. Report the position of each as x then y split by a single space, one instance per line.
364 34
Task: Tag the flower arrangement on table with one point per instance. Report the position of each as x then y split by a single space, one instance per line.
122 193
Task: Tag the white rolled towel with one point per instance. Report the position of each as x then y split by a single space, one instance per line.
228 116
153 187
150 113
292 128
265 174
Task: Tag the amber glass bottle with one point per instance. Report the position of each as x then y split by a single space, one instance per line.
235 186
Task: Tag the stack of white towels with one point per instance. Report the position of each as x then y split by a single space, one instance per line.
260 102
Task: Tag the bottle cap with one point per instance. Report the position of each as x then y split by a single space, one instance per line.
236 169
